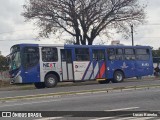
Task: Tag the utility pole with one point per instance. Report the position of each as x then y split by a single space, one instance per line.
132 35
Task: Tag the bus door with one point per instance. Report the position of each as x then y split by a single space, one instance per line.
67 64
99 64
31 64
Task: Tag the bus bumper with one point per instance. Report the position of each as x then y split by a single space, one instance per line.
16 79
100 79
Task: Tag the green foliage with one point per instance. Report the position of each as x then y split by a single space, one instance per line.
3 63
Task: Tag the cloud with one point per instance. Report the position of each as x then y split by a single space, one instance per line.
10 10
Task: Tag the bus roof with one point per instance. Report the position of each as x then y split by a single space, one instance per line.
118 46
85 46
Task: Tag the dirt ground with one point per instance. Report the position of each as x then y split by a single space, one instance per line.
4 83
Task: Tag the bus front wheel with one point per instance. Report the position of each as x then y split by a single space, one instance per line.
118 77
51 81
39 85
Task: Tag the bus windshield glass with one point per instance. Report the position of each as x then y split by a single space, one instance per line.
14 61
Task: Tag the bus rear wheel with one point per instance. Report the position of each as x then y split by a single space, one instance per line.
39 85
118 77
51 81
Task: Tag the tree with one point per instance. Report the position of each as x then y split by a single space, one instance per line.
3 63
84 19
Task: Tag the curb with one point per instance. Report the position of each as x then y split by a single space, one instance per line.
66 84
59 94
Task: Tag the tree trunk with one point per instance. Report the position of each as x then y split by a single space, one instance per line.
90 41
77 39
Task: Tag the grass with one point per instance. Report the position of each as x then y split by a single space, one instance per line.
4 83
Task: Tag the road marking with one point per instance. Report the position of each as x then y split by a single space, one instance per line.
125 118
143 118
102 118
121 109
81 91
49 118
29 103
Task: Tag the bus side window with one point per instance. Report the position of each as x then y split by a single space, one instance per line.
111 54
101 55
95 54
69 57
66 56
129 54
82 54
119 54
30 57
63 55
98 55
49 54
142 54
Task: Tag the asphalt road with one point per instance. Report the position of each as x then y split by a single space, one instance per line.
78 86
141 100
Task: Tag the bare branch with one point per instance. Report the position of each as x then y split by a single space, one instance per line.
83 19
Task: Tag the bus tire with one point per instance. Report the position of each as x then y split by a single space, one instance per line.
51 81
104 81
118 77
39 85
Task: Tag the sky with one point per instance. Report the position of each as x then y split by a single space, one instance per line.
14 29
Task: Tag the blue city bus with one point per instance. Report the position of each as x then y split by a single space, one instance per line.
46 65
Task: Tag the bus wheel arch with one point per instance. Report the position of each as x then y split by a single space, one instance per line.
51 79
118 76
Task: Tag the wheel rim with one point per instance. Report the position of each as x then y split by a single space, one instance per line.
51 80
119 77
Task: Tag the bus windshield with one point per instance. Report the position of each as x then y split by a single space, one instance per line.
14 59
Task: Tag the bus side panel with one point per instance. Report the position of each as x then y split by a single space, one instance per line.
95 69
31 75
88 73
82 70
99 69
128 67
112 66
144 68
